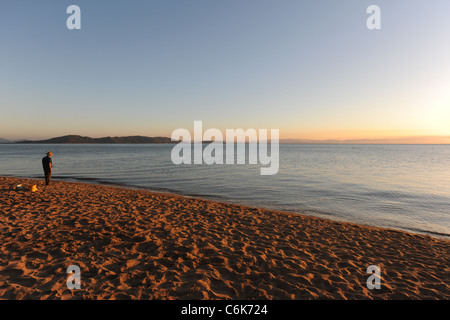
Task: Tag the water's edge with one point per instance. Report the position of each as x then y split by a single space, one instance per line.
224 199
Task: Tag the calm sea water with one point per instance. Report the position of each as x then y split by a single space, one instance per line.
405 187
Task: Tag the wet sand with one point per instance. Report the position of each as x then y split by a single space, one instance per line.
136 244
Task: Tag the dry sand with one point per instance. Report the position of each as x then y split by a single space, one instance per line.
135 244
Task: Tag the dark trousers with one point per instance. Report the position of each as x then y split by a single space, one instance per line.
48 176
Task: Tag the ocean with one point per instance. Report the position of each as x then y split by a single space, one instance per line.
404 187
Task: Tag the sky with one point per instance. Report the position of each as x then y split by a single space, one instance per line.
311 69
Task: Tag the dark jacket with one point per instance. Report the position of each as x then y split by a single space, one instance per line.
46 161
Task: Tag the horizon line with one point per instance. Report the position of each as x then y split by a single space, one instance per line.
432 139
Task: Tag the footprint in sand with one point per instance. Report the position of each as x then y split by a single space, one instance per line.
11 272
37 255
24 281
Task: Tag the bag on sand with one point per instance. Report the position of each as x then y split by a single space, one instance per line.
29 187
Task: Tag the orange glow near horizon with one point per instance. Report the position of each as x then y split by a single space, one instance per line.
410 135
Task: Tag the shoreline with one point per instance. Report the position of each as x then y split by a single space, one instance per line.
215 198
138 244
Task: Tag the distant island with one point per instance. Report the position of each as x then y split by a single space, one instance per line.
81 139
142 140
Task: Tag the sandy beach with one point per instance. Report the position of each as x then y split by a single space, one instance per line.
136 244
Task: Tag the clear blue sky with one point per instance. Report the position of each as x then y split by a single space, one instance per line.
309 68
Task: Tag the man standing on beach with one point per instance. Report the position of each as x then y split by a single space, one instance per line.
47 164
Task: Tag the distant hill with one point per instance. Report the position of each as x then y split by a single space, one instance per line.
80 139
143 140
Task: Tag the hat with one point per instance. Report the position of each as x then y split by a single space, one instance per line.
49 153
